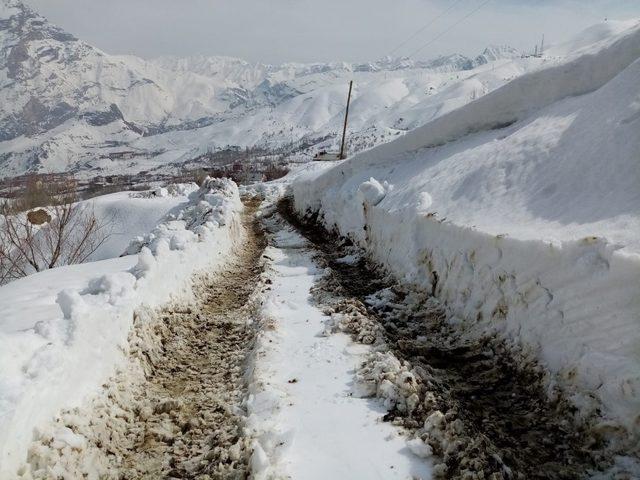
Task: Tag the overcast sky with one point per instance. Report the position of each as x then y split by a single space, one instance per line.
275 31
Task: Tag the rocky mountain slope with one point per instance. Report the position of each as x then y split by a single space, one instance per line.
67 106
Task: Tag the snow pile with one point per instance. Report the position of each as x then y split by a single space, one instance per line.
64 331
171 190
133 214
520 212
390 379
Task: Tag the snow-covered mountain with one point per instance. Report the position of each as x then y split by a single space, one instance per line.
67 106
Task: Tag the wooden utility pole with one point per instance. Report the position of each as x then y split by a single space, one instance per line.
346 117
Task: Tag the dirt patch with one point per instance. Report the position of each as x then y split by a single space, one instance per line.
480 406
176 411
38 217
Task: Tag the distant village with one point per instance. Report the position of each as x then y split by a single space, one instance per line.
244 166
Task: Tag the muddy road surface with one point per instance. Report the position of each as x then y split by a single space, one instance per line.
175 411
191 423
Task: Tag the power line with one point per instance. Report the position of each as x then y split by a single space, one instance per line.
424 27
448 29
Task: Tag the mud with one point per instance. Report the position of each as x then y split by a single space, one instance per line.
176 410
480 406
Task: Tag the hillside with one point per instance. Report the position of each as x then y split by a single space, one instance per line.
68 106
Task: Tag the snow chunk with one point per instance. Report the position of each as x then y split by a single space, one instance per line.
371 192
424 202
70 303
116 287
420 448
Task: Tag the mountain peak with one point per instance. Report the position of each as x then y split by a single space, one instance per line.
496 52
19 20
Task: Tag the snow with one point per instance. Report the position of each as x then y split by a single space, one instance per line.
135 214
521 209
513 197
595 36
371 192
302 409
64 331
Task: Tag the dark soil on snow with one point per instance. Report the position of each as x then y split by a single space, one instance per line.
175 410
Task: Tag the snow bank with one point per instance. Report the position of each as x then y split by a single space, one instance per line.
596 36
529 230
521 97
64 331
135 214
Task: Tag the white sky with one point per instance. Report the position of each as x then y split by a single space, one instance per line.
275 31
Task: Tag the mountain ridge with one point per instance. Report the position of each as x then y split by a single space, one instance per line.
69 106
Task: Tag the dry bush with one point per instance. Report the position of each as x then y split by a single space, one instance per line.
40 191
62 234
275 172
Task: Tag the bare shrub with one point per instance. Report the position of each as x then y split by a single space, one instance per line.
40 190
63 234
275 172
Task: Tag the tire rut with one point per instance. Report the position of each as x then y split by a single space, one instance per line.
196 382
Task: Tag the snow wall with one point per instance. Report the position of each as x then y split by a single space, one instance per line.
573 302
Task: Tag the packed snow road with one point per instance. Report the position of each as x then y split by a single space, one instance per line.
307 422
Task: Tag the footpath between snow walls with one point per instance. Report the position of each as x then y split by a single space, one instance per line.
573 304
68 358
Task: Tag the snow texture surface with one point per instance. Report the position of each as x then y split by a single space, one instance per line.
303 407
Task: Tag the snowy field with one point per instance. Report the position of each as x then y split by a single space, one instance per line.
135 214
64 331
521 211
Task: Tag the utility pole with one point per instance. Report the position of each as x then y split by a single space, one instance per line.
346 117
542 46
